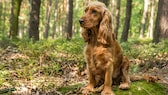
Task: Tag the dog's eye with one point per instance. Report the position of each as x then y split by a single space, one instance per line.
94 11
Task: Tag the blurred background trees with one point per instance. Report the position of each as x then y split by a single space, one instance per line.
51 19
161 26
125 31
15 11
34 19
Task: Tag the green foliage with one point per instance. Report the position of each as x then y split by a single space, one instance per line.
143 48
134 68
128 50
137 9
48 54
44 57
4 42
51 69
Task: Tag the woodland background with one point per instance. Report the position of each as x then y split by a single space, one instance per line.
41 50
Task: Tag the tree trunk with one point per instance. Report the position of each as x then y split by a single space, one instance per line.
1 21
48 14
161 26
151 21
55 19
15 10
59 22
117 18
64 19
124 35
144 18
4 16
106 2
69 20
34 20
113 15
76 22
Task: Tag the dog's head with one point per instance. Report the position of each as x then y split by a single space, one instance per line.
93 15
98 16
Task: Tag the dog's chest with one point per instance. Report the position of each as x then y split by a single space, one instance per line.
96 68
98 58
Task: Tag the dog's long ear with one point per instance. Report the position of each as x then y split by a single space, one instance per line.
105 34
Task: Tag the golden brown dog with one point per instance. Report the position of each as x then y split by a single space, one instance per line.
105 62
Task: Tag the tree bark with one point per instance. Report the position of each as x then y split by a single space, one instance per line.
64 19
59 22
144 18
69 20
1 21
113 8
55 19
161 26
48 15
76 22
34 20
117 17
124 36
151 21
15 10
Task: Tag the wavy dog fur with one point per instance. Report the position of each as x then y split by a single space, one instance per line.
105 62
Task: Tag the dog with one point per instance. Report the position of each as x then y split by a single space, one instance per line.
106 64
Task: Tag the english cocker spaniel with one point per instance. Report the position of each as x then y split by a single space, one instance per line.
105 62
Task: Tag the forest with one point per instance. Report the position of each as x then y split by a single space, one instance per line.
41 48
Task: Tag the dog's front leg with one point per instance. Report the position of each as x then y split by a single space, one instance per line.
91 77
90 86
108 80
91 81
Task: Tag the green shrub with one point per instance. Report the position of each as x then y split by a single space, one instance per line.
144 49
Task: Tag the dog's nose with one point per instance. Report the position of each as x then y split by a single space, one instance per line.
81 21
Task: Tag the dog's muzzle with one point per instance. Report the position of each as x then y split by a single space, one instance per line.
81 21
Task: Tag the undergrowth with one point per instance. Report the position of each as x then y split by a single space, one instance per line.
47 57
44 57
144 48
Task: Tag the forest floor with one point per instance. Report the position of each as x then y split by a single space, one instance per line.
16 78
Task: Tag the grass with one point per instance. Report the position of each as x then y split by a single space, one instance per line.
137 88
66 89
143 88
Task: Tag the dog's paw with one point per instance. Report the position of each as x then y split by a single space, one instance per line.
124 86
107 93
87 90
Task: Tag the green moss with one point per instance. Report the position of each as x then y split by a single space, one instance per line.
70 88
137 88
142 88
